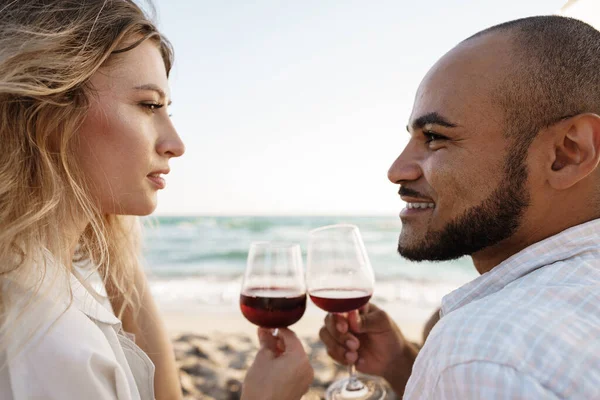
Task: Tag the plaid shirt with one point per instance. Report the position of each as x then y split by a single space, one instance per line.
527 329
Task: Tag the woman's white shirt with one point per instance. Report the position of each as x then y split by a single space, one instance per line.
81 354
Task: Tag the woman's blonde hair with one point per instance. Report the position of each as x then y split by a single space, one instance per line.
49 49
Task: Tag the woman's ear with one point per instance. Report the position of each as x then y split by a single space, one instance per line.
576 151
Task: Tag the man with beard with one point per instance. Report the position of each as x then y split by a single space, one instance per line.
501 165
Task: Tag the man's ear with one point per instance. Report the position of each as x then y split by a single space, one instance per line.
576 150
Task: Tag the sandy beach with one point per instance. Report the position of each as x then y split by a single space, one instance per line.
214 347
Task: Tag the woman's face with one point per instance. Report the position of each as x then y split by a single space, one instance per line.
127 139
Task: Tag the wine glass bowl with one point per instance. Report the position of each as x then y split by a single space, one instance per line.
272 309
273 293
339 274
340 300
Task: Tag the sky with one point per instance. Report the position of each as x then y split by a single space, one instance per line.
300 107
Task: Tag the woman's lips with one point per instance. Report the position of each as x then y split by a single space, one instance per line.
158 181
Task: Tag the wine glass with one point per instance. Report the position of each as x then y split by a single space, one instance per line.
273 291
340 279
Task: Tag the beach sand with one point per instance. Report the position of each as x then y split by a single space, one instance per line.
214 347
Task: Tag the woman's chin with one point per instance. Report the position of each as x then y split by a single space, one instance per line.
139 209
146 210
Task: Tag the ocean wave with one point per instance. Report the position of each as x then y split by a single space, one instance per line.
221 291
263 223
205 248
233 255
166 263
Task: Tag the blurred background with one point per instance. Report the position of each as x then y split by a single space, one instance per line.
292 113
300 107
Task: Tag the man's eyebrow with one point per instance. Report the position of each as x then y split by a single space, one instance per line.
154 88
431 118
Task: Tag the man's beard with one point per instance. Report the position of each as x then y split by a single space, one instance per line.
495 219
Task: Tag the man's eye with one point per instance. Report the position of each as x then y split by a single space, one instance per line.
432 137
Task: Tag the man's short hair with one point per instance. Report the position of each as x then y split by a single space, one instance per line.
556 73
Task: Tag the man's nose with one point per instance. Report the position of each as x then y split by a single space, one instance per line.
406 167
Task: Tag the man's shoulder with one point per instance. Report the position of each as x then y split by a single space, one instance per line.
521 317
553 301
550 333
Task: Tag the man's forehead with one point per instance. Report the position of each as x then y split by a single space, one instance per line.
465 80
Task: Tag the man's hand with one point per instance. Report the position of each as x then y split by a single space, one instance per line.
372 341
280 370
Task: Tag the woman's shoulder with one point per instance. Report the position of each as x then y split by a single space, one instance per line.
61 328
64 350
60 317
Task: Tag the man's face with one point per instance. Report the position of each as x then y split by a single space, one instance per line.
463 181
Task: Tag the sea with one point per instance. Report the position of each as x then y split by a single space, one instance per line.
199 261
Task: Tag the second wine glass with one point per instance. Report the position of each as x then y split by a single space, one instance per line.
340 279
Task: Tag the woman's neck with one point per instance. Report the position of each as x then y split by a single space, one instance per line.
74 235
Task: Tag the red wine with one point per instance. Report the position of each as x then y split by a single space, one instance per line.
340 300
272 307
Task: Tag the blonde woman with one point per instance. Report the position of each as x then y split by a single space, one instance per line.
85 144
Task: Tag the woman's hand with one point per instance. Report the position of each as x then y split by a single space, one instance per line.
280 370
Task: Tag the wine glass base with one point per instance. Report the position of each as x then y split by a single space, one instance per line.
372 390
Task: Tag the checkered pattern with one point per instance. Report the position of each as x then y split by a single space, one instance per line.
528 329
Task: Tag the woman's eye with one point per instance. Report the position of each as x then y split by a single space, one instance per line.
152 106
432 137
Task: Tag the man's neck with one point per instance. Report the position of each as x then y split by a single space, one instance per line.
527 235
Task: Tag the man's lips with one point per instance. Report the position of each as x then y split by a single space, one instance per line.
418 202
404 191
415 200
415 206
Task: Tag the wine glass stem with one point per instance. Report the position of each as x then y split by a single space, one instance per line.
275 332
353 382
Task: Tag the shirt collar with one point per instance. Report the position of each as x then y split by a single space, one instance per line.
89 304
562 246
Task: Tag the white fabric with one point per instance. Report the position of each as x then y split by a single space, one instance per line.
81 354
527 329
